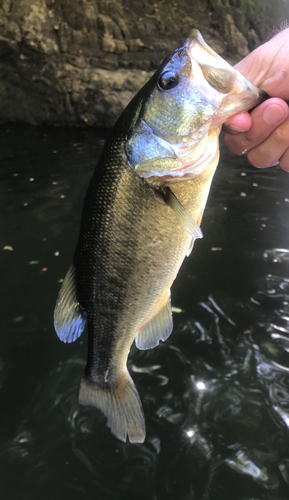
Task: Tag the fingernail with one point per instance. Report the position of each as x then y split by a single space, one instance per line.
273 114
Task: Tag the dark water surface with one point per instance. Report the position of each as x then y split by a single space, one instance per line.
215 394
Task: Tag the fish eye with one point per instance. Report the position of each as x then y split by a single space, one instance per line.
168 80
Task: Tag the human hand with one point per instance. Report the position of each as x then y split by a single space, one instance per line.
264 134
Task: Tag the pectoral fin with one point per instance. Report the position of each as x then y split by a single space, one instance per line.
69 317
187 221
158 328
190 247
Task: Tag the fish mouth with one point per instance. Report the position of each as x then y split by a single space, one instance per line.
230 91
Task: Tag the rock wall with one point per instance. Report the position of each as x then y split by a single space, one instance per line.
81 61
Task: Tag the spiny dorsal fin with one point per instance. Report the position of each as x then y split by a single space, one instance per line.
69 317
158 328
187 221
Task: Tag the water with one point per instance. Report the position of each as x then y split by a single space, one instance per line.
215 394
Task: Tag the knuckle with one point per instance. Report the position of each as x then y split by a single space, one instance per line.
251 140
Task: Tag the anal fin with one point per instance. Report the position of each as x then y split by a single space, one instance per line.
158 328
69 317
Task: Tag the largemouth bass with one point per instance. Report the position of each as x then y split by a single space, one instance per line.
141 215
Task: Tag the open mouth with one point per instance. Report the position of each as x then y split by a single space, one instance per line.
230 91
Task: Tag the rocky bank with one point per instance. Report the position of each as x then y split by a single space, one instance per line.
81 61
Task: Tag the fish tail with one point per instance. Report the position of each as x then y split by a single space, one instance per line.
121 406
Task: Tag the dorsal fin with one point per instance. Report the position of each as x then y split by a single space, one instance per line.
158 328
69 317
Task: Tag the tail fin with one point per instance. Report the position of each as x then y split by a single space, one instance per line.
122 407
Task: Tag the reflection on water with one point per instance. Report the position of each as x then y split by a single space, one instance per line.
215 394
276 255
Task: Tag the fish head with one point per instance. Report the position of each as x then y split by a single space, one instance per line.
182 109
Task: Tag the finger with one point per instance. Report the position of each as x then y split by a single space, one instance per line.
241 122
265 118
272 149
267 66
